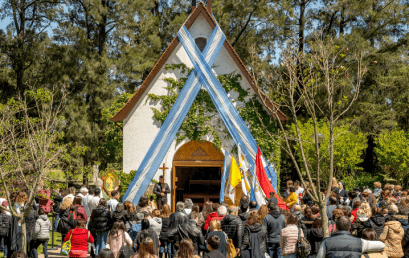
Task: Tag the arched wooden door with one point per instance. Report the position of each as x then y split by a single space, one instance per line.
195 154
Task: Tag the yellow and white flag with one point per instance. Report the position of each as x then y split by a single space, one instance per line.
234 178
244 165
245 185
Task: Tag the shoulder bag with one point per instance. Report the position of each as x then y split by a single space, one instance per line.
303 247
126 251
66 247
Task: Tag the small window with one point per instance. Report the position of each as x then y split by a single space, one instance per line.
201 43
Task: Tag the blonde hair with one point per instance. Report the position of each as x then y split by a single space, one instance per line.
393 208
21 198
66 203
334 182
365 207
377 184
215 225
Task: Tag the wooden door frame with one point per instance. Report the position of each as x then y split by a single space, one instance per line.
190 164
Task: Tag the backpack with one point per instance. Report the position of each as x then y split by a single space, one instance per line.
303 247
72 218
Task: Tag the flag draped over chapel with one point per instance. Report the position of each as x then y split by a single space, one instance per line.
174 125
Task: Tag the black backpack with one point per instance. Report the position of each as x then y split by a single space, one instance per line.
303 247
72 218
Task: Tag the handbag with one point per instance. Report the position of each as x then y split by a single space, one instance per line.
66 247
231 250
126 251
303 247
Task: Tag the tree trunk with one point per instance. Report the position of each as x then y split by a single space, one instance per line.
323 208
24 234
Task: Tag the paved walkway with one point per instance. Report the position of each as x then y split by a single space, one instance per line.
54 252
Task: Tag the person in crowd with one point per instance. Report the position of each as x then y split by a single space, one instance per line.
263 211
385 195
119 214
201 222
215 229
71 194
376 222
161 192
273 198
359 224
378 189
188 206
298 191
186 249
113 201
5 224
297 212
19 254
289 236
207 209
232 225
343 194
305 197
165 245
392 236
289 183
46 203
254 237
21 200
84 194
100 223
332 227
331 207
42 234
57 203
80 237
315 236
179 216
135 229
88 198
244 205
351 246
94 201
355 209
105 253
146 231
292 198
147 249
155 223
189 228
370 234
213 244
143 205
218 214
402 216
307 220
130 209
252 206
79 209
274 222
117 238
63 226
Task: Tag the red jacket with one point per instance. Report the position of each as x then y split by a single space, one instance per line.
353 213
212 216
79 239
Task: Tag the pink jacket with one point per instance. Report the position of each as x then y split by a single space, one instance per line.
288 238
46 204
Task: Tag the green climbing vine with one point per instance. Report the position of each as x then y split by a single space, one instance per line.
201 120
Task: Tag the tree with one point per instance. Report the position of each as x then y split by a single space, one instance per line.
392 151
326 89
29 144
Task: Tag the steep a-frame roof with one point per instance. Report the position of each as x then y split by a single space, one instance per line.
200 9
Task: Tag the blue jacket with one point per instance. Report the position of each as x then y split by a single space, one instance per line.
135 229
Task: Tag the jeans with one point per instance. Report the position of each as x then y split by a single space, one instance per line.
5 242
274 250
35 244
100 242
56 219
165 247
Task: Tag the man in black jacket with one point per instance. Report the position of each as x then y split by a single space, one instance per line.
178 217
161 193
188 230
232 225
244 205
342 244
274 222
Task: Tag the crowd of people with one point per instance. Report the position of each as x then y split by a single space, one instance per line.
361 222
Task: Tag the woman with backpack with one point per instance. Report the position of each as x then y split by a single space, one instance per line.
80 237
146 231
41 234
254 243
117 238
79 209
63 226
100 223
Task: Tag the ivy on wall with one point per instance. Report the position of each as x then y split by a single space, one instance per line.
201 119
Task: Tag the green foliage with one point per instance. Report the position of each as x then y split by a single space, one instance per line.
360 179
392 151
348 147
125 181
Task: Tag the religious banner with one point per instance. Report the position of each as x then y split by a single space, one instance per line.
110 181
